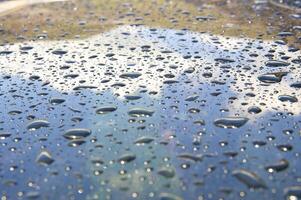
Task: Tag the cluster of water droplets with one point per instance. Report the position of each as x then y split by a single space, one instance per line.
150 113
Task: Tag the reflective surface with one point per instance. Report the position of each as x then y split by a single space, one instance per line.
195 103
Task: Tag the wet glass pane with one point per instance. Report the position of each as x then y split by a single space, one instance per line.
153 99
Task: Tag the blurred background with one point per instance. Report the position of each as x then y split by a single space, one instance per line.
22 20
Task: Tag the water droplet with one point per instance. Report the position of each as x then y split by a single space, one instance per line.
77 133
231 122
138 112
249 178
36 124
105 110
44 158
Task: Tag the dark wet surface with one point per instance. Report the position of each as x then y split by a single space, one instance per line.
150 109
